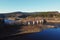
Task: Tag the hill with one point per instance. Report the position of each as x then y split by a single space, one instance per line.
32 14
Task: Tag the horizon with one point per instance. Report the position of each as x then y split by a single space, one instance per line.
29 12
7 6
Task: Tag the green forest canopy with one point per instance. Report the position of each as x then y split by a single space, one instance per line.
46 14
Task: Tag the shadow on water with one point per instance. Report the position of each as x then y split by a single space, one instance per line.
49 34
6 29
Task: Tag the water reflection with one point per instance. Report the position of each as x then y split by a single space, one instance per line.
48 34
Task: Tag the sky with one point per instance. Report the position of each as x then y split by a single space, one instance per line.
29 5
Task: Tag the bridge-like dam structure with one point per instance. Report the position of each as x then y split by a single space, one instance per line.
35 22
23 21
29 22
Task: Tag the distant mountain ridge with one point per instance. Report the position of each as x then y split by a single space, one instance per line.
2 15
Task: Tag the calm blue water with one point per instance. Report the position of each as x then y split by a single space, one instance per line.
48 34
8 21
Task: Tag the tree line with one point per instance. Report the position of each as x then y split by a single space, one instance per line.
45 14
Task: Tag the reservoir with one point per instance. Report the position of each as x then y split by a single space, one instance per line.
48 34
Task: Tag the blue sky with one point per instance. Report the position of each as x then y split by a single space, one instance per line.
29 5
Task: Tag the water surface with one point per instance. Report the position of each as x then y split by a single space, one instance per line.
48 34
